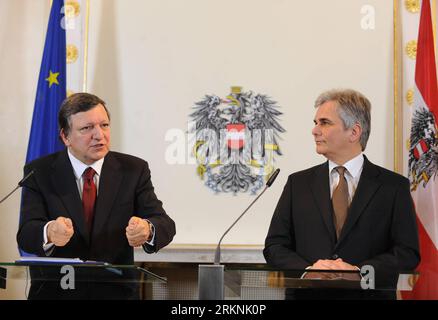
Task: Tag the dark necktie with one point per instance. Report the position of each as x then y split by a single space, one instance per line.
89 193
340 201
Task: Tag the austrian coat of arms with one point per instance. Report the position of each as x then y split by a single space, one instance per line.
236 139
423 151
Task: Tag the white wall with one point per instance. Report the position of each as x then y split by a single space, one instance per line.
151 60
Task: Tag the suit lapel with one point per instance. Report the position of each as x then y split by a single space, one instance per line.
320 186
109 183
64 181
367 187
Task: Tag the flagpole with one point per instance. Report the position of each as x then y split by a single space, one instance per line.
434 12
434 17
84 84
398 167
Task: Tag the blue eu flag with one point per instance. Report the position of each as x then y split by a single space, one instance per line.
51 90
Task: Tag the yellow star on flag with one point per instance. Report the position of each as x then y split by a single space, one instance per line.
52 78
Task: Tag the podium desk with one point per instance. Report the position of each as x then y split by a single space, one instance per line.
72 275
217 282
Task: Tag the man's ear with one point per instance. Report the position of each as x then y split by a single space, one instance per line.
64 137
356 133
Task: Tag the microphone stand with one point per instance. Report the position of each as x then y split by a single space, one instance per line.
211 277
217 255
9 194
20 184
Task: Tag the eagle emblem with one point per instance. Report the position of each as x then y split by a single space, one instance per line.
236 138
423 151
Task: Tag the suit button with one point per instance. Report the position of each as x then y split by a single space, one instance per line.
335 256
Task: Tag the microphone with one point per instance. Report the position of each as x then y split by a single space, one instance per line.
217 255
20 184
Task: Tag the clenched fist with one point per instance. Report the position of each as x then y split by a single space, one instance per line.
138 231
60 231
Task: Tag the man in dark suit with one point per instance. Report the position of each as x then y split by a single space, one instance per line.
347 212
91 203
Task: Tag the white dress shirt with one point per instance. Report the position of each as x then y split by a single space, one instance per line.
353 170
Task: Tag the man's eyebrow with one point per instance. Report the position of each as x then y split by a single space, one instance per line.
322 120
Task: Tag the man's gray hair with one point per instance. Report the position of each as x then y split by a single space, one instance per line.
352 107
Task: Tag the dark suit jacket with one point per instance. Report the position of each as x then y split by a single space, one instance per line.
125 190
380 229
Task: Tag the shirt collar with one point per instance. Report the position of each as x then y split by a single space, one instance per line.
353 166
79 167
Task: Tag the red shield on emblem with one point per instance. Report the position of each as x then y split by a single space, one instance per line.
420 148
235 135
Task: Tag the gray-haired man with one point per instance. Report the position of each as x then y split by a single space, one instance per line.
346 212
